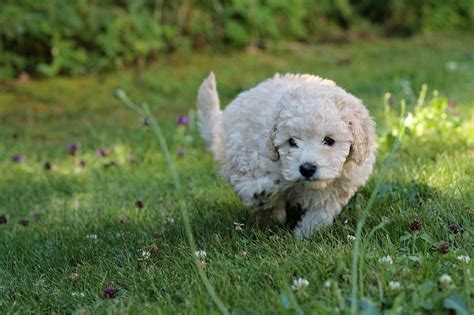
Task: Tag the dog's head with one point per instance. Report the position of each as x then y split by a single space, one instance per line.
319 131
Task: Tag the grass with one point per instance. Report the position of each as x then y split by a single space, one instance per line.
86 233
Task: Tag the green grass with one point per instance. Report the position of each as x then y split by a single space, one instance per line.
430 178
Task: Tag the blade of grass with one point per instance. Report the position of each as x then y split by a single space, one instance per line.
144 111
360 224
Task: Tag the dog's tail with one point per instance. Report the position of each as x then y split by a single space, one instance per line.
208 108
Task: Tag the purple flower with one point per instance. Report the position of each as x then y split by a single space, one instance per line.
181 152
103 152
82 163
139 204
18 158
72 148
183 120
48 166
110 292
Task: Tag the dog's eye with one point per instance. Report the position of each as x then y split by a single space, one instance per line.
292 143
328 141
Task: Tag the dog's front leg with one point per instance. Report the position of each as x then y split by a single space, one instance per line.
262 195
316 218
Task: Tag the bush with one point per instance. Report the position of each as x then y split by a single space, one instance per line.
72 37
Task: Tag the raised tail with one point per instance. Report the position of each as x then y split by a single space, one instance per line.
208 108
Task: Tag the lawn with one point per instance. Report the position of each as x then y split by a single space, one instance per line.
89 221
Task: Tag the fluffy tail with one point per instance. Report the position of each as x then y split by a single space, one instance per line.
208 108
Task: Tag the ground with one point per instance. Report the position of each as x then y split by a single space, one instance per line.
100 229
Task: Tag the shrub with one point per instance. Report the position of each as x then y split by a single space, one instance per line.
72 37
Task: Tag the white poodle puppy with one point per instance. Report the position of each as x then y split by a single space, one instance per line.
292 142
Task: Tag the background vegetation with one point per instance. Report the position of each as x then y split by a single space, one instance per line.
74 37
90 223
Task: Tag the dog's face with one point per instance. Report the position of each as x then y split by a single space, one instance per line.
312 139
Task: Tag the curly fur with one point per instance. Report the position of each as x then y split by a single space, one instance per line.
250 140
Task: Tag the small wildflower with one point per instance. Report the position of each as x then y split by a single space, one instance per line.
82 163
455 229
443 247
78 294
110 292
154 249
24 222
183 120
464 258
299 283
74 277
451 65
47 166
139 204
415 225
386 259
146 254
72 148
239 226
3 219
394 285
18 158
169 220
446 281
123 220
93 237
327 284
181 152
200 254
103 152
351 237
37 216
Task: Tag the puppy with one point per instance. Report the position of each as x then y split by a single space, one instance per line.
292 142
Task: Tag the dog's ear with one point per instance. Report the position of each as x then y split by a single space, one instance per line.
272 150
354 113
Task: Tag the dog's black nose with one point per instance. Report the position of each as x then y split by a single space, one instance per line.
307 169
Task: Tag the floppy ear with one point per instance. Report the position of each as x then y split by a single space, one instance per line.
354 113
273 153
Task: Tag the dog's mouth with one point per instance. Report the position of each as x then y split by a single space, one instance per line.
317 183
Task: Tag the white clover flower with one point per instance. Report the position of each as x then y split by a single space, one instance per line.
200 254
445 280
299 283
78 294
327 284
146 254
239 226
394 285
351 237
92 237
386 259
464 258
451 65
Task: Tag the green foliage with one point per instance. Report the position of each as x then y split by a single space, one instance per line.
429 123
72 37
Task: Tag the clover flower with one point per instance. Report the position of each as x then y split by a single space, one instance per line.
201 254
299 283
386 259
394 285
